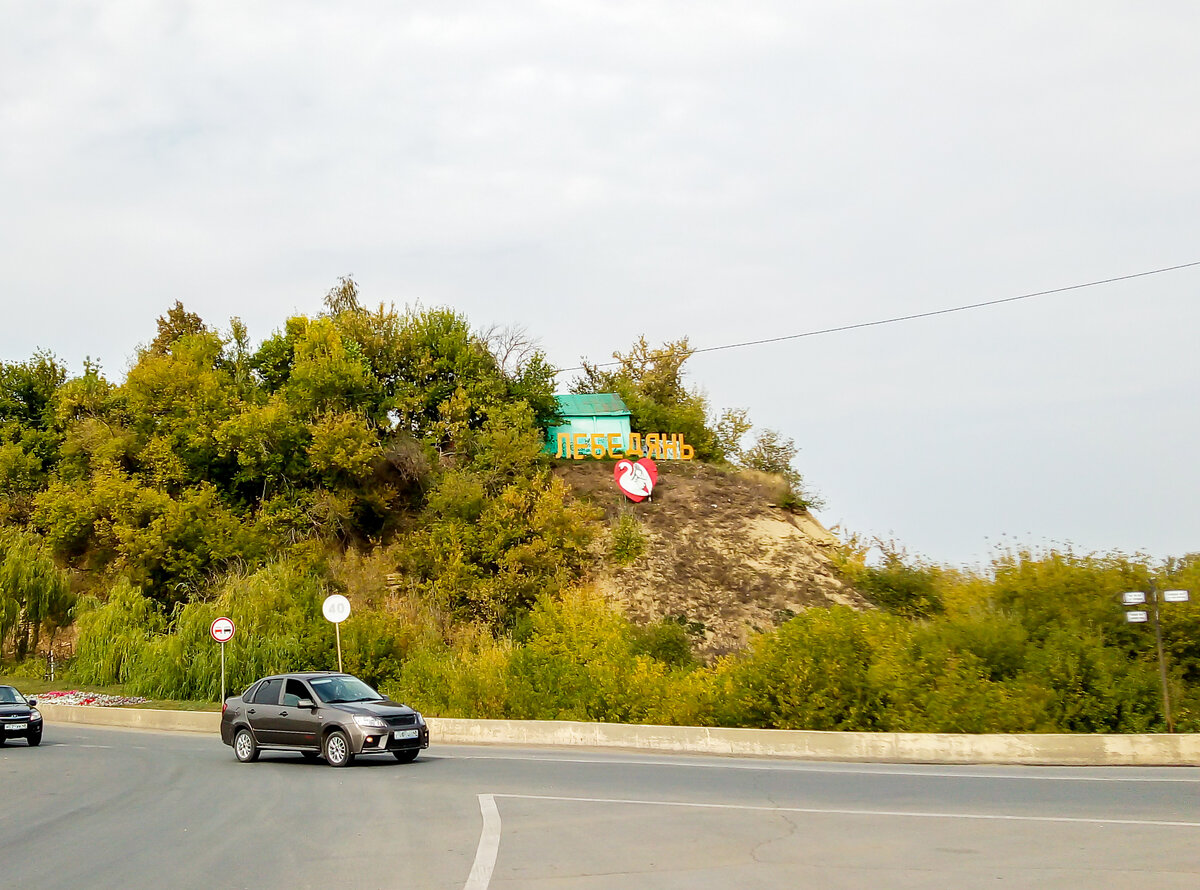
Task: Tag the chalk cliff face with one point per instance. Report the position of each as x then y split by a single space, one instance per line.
721 557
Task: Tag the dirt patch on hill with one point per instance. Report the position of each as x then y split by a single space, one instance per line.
722 557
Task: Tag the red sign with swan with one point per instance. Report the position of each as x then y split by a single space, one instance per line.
636 479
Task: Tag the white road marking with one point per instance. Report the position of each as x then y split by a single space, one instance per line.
105 747
836 770
903 814
489 839
489 845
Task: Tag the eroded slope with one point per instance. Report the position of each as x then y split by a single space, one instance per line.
721 556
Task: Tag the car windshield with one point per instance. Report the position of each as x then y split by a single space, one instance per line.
343 689
10 696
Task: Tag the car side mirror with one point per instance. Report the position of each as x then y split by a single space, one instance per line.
32 702
306 703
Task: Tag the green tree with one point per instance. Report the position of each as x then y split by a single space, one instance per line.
487 556
650 382
27 390
731 429
442 380
329 373
175 325
178 400
33 591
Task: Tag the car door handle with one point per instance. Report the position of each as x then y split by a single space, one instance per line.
283 713
251 711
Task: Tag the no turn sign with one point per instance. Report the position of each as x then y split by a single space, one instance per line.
222 630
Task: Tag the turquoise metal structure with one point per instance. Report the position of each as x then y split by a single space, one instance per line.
589 413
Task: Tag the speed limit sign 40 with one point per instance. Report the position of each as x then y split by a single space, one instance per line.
222 630
336 608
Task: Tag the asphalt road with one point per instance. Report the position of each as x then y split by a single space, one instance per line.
102 808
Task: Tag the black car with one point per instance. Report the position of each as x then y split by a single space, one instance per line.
320 713
19 718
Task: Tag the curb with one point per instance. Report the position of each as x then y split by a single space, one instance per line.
883 747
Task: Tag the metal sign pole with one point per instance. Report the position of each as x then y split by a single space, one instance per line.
337 629
222 673
1162 662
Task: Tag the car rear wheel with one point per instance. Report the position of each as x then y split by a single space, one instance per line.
337 749
245 748
310 756
406 756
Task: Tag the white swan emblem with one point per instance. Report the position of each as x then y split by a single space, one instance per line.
634 479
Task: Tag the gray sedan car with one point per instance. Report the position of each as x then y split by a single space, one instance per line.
332 715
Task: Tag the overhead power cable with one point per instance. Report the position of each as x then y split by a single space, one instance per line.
914 316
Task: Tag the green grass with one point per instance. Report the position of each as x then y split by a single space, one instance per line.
34 688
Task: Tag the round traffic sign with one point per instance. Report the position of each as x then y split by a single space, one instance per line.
336 608
222 630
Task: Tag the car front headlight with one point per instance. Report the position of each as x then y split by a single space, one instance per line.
371 722
35 714
420 719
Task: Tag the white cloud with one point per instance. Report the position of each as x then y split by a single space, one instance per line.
600 170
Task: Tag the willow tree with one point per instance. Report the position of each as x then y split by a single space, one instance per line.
33 592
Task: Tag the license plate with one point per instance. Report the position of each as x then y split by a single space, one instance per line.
16 726
406 733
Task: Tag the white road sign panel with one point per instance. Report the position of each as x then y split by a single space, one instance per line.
1136 616
336 608
1133 597
222 630
1175 596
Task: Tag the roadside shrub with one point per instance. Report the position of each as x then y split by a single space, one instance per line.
666 641
469 679
627 541
811 673
900 588
578 664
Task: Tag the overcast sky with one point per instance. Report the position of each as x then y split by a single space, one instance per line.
726 171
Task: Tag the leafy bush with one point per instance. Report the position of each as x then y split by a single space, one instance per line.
666 641
903 589
811 673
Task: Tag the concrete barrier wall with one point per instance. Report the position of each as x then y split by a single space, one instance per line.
133 718
889 747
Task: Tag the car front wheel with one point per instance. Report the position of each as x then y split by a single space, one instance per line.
245 748
405 756
337 749
35 739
